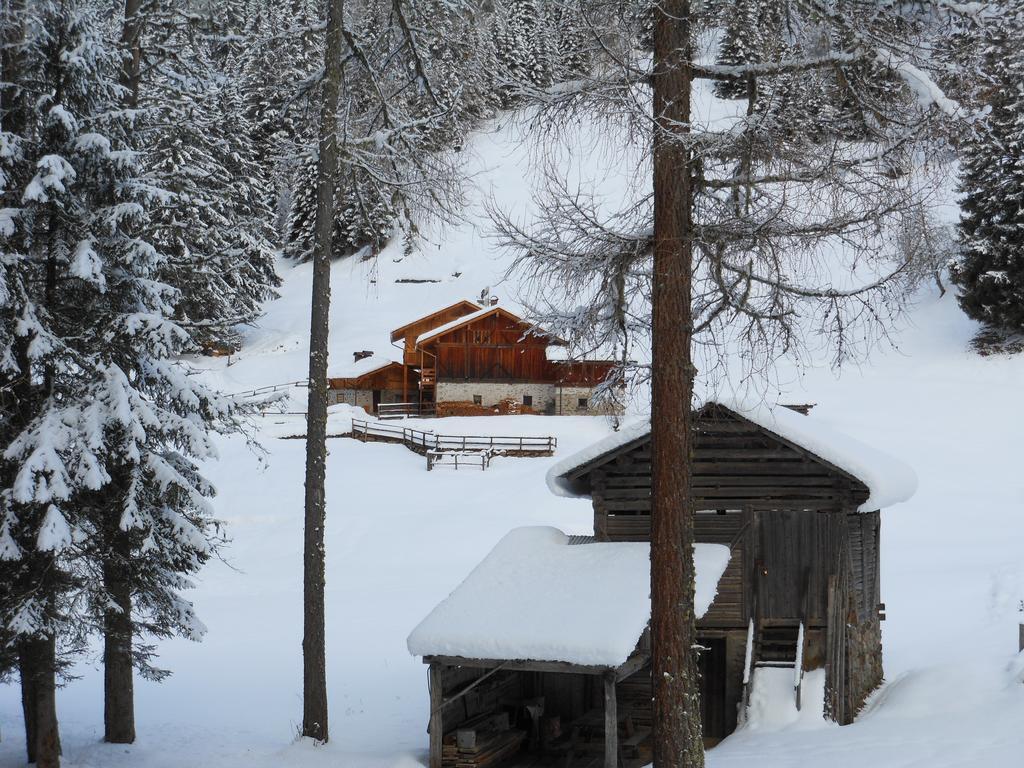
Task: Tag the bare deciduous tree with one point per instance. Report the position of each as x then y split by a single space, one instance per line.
775 224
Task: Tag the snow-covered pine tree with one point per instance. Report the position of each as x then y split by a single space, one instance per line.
101 443
523 46
740 44
990 271
215 223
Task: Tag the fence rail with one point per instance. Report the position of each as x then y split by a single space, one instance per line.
422 442
401 410
455 459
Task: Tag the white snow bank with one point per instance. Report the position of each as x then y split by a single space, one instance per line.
536 597
889 480
773 700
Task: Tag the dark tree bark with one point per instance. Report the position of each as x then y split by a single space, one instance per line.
131 48
28 699
39 698
677 726
118 683
314 664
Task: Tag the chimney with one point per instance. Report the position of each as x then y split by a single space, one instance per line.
357 356
494 301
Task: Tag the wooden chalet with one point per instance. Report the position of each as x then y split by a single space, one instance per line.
798 507
369 382
479 355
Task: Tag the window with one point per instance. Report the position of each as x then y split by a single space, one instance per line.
478 399
582 404
527 399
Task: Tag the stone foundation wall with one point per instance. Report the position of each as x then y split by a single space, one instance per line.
493 392
363 398
547 398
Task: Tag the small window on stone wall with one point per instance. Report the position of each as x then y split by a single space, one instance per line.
582 404
478 399
527 399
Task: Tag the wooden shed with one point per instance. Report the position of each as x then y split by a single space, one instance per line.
526 667
798 505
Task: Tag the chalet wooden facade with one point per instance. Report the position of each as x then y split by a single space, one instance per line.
798 507
479 356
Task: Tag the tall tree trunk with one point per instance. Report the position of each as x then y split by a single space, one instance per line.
314 664
39 671
131 51
677 725
26 667
118 684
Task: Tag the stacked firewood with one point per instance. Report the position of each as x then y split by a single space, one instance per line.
483 742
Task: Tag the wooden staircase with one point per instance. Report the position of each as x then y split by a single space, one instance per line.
776 646
428 385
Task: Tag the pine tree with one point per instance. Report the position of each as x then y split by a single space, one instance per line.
990 272
105 514
740 45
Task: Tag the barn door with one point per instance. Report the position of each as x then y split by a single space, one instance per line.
780 562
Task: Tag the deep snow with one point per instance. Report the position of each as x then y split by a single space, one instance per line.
400 539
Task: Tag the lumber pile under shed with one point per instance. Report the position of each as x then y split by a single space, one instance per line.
480 743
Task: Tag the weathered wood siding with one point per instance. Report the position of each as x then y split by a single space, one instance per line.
799 550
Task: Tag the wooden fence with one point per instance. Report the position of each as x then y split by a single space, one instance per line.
422 442
402 410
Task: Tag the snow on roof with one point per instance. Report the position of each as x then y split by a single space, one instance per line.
443 329
889 480
536 598
359 367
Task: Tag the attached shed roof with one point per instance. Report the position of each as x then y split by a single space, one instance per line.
536 598
888 480
360 368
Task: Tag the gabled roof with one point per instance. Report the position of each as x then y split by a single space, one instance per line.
888 480
464 304
471 318
360 368
536 597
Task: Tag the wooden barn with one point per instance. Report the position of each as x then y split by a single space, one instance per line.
483 355
798 507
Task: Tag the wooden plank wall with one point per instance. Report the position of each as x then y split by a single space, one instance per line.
491 349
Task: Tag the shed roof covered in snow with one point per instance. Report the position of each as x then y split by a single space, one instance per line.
886 480
538 597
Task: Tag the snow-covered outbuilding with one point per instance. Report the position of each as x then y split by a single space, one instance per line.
799 505
546 626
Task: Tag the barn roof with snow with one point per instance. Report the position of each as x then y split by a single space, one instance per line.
876 479
533 598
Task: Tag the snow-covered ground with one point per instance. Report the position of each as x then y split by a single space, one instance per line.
400 539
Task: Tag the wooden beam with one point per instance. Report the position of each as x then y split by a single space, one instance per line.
436 727
611 722
632 665
563 667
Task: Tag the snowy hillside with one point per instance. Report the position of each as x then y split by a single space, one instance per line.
400 539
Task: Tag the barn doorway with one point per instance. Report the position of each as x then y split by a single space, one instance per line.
376 400
712 669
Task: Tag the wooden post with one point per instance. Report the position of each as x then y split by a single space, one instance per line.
611 722
1020 638
436 727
